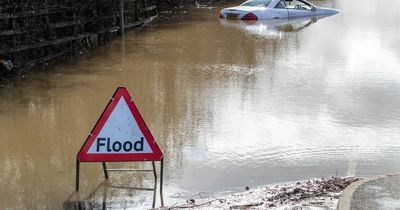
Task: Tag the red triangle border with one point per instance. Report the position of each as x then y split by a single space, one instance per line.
120 94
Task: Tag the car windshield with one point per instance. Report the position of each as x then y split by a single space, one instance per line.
256 3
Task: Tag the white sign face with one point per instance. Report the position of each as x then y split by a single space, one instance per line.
120 134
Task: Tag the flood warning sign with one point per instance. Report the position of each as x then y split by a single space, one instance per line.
120 134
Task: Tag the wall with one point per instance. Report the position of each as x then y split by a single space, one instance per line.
33 32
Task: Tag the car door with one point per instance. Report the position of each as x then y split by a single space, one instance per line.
299 8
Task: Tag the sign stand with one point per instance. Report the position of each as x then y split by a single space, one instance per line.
121 135
105 170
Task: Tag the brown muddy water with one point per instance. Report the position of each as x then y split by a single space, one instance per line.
230 104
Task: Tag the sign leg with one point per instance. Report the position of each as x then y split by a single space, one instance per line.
155 184
161 182
77 176
104 204
105 170
121 17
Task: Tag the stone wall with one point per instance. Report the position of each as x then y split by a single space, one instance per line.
33 32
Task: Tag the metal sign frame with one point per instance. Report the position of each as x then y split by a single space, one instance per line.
106 176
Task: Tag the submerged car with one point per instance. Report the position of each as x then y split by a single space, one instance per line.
275 9
271 28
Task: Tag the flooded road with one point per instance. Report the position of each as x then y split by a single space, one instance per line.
230 104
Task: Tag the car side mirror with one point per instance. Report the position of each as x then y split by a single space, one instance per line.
313 9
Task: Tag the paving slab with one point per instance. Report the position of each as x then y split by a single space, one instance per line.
373 193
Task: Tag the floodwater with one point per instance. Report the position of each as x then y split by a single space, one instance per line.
230 104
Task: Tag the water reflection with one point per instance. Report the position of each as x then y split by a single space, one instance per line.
228 107
112 195
272 28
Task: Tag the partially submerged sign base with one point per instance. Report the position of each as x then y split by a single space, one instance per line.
121 135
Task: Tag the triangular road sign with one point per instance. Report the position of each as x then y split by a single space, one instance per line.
120 134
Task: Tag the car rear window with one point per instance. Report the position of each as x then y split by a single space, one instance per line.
256 3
